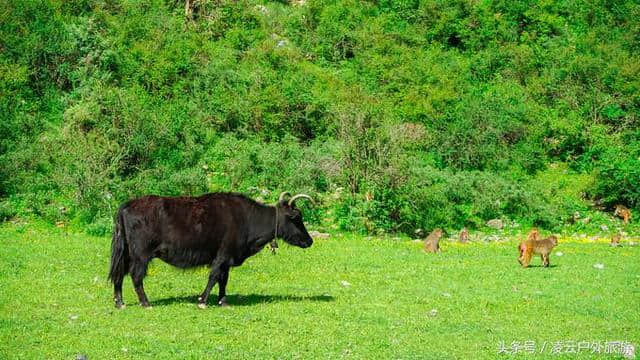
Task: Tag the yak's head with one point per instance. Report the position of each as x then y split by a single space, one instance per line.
290 225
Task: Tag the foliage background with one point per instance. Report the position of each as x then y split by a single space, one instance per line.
397 115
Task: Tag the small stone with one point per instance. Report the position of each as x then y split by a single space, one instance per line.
344 283
604 227
73 317
599 266
559 253
81 357
433 312
446 294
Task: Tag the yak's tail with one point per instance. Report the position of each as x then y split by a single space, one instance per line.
119 250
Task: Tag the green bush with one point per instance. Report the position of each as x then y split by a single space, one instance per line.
618 176
395 115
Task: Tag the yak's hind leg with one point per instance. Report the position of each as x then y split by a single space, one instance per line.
214 276
222 285
138 272
117 292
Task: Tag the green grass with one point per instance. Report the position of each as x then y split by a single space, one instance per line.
55 301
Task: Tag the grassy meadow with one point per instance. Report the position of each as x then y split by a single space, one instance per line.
397 117
348 296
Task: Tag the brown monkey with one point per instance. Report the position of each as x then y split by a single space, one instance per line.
534 234
615 240
431 242
464 235
542 247
623 212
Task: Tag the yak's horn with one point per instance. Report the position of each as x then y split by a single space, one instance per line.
293 199
282 195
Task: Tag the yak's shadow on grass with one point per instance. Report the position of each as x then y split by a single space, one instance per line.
243 300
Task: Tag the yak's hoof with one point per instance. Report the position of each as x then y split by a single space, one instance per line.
223 302
119 304
202 305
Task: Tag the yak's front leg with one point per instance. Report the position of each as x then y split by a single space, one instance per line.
214 276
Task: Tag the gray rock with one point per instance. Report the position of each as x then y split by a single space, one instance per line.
318 235
263 9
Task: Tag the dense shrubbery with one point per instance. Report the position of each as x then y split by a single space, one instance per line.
397 114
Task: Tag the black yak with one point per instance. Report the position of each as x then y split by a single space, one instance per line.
219 229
